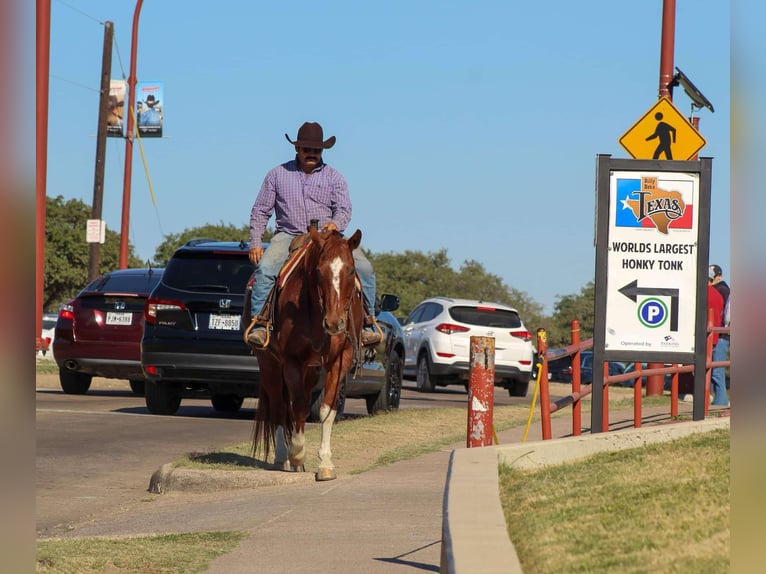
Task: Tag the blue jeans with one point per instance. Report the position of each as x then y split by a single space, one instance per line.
718 376
276 254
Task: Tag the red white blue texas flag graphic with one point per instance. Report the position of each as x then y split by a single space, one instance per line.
641 203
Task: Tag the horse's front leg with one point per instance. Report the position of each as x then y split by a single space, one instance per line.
326 469
296 448
280 449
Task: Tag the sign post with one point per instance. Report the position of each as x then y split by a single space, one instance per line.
652 249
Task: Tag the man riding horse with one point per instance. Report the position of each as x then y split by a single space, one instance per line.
297 192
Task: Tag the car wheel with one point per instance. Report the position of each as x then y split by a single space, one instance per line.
227 403
518 388
162 399
425 383
390 394
137 386
73 383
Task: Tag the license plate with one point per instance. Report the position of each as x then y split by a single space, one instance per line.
224 322
119 318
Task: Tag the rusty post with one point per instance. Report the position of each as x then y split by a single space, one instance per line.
708 359
605 411
481 391
674 394
637 397
545 396
577 406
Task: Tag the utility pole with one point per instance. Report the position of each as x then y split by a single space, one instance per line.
103 111
125 222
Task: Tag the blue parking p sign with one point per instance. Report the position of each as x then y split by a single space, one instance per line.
652 312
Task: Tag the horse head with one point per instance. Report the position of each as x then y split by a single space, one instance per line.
336 277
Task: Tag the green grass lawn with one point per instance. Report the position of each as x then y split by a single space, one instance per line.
659 508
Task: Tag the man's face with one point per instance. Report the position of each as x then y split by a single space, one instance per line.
308 158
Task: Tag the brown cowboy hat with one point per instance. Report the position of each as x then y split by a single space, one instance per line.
310 135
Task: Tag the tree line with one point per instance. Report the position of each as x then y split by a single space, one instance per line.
412 275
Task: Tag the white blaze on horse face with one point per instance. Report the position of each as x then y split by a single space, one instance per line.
336 266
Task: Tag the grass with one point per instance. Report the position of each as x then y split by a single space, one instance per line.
45 366
659 508
167 553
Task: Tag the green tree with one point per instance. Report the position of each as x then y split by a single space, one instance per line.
67 254
415 276
219 232
580 306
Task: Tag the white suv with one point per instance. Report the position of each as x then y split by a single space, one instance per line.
437 337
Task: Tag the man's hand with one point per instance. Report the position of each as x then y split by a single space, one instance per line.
329 226
255 254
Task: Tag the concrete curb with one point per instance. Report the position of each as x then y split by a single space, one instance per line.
174 479
474 533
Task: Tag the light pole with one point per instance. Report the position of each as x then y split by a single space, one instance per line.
125 227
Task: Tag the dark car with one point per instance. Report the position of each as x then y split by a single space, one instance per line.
193 339
560 370
98 333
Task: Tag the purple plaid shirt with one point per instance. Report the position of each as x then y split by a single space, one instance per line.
296 198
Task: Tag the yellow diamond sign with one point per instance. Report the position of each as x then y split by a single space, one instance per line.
662 133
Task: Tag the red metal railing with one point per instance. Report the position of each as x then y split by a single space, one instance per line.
578 392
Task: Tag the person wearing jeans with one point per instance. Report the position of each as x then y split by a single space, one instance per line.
721 348
298 192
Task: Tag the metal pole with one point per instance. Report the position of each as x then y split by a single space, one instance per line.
125 224
667 48
481 391
41 164
655 383
98 178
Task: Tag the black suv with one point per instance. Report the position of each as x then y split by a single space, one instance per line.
193 344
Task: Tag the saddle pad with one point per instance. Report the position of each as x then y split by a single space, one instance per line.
291 263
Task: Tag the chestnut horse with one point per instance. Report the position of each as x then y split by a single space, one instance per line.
317 321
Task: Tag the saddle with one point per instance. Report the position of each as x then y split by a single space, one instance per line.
297 251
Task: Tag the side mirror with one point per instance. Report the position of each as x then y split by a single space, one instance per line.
388 302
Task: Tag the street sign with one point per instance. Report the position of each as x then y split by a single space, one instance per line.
95 231
662 133
652 261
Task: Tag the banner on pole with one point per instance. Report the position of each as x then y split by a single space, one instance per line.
150 109
116 116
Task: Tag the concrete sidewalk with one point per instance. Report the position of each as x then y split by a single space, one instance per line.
386 520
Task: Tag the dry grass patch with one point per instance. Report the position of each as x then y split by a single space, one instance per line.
659 508
168 553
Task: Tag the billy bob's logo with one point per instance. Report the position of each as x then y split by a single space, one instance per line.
641 203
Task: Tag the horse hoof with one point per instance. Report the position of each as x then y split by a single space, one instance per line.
326 474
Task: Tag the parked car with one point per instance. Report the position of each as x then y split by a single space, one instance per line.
631 367
560 370
437 337
193 339
98 333
47 334
586 367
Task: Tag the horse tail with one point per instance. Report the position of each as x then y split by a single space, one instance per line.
264 431
272 411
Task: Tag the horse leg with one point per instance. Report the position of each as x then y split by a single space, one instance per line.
296 447
326 469
280 449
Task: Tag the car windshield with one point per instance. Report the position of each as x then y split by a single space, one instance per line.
126 283
218 272
486 317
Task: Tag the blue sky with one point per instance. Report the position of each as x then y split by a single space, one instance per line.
472 127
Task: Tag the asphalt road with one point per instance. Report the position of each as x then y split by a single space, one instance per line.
96 452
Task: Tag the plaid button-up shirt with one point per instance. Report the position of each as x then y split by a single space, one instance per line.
296 198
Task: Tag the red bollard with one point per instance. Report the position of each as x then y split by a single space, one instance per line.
481 391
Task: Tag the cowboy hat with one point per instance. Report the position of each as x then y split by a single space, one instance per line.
310 135
151 100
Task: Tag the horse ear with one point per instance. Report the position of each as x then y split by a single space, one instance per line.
355 239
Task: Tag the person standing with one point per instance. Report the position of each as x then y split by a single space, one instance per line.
721 347
296 192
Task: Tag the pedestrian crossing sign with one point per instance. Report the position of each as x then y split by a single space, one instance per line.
662 133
